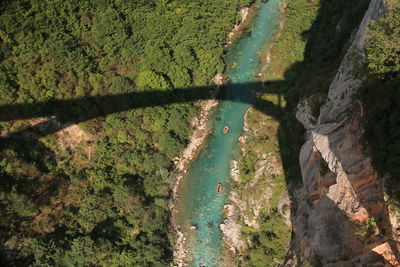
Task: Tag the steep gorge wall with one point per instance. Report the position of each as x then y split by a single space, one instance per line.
341 217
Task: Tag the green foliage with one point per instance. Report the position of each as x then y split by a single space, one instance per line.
120 85
261 151
150 80
268 242
381 123
247 167
380 96
170 145
20 204
312 44
368 227
383 50
303 61
104 200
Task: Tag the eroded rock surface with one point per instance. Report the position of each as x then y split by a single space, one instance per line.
342 219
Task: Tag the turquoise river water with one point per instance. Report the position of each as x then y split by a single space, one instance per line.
199 204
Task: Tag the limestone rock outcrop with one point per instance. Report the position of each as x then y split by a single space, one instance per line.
341 218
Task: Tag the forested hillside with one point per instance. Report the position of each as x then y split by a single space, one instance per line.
97 194
381 98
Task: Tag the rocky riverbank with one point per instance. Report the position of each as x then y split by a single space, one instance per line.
201 130
244 13
259 192
263 190
197 140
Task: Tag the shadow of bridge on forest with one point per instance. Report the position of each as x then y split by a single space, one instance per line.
323 52
73 111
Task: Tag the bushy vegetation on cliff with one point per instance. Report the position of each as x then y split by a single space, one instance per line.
101 200
303 61
381 95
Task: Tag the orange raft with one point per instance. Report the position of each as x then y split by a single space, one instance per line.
225 130
219 188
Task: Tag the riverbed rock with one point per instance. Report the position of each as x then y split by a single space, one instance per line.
235 171
244 12
197 139
231 229
250 199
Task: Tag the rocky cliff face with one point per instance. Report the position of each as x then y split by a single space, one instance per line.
341 217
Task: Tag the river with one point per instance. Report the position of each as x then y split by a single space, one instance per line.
199 204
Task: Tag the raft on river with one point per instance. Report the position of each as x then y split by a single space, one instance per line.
225 130
219 188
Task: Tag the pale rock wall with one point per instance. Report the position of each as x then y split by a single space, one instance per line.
340 189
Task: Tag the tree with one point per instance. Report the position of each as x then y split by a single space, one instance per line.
383 49
148 80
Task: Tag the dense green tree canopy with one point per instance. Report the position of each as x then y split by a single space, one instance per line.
383 49
101 200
